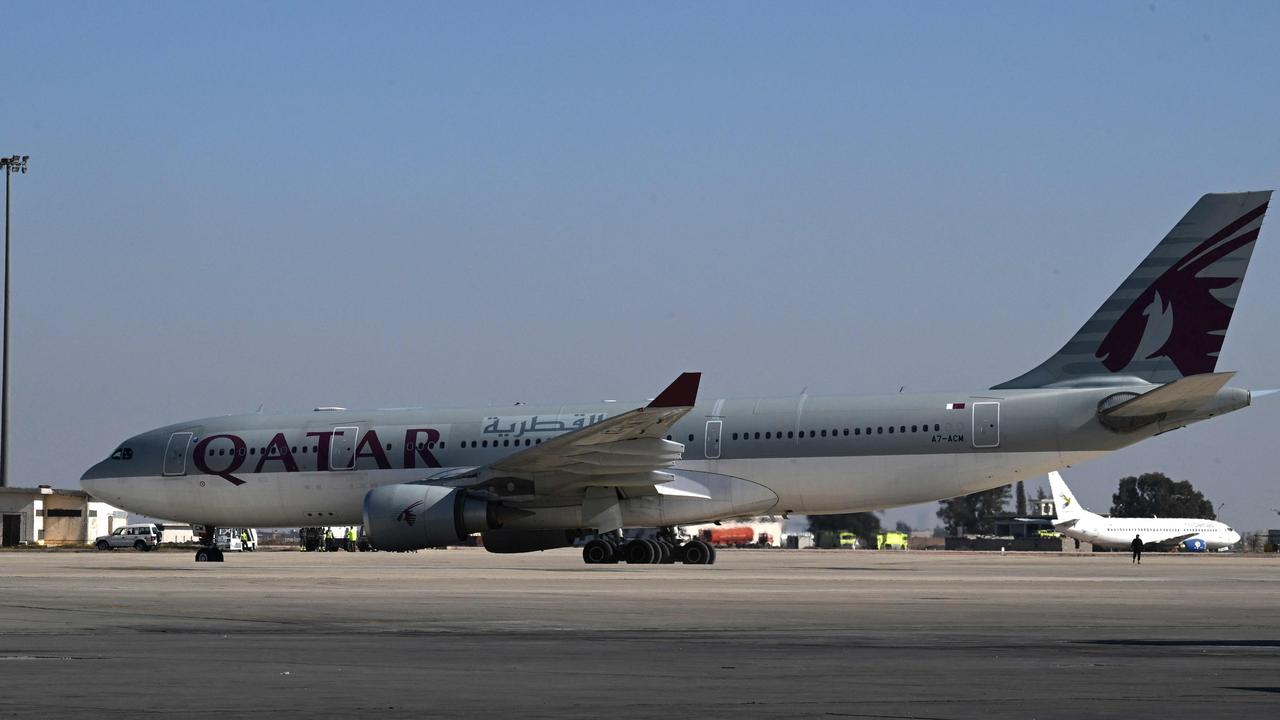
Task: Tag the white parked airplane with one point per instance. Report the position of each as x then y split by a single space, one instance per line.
1192 534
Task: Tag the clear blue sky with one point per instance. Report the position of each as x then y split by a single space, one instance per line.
388 204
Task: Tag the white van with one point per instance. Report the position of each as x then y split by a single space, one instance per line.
236 539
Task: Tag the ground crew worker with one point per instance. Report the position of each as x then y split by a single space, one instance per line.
328 539
1136 547
351 538
244 539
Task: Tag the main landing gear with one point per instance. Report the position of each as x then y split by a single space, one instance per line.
607 549
208 551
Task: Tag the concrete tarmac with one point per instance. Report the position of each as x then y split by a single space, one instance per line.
776 634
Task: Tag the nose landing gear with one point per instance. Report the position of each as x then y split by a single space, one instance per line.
209 554
208 551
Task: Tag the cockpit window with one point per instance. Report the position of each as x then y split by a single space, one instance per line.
122 453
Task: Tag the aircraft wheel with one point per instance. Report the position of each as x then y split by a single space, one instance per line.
657 551
208 555
712 548
668 555
696 552
598 552
103 545
639 552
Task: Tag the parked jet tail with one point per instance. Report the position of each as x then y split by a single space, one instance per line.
1065 502
1169 318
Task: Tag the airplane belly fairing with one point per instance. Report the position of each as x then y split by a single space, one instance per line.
823 485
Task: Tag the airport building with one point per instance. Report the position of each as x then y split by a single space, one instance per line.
53 517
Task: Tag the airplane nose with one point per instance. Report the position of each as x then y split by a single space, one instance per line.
93 486
93 481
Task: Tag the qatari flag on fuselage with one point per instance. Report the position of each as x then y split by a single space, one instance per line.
955 406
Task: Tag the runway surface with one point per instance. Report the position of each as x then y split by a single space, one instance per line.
795 634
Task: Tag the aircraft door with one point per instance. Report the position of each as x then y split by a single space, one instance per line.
175 454
342 449
986 424
711 447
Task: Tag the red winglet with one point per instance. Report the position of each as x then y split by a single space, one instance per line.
681 393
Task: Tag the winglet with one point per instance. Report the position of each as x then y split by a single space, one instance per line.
681 393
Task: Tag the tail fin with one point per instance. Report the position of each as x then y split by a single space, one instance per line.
1064 501
1169 318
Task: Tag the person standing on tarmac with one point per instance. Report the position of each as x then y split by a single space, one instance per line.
1136 547
328 539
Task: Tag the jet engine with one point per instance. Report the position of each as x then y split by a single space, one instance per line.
1194 545
412 517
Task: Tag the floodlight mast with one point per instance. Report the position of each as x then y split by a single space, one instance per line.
11 164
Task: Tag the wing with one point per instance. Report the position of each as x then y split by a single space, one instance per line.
627 450
1174 541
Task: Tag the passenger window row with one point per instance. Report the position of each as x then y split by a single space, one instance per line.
271 450
316 449
839 432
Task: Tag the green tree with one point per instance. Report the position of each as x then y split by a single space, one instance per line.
902 527
865 525
973 514
1154 494
1020 500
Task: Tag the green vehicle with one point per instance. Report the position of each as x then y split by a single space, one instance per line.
892 540
847 540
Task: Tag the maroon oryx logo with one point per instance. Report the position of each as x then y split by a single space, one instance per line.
408 515
1185 291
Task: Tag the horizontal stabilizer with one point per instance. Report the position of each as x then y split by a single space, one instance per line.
1185 395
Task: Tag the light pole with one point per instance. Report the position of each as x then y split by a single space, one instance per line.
11 164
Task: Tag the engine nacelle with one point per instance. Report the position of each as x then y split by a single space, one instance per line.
1194 545
412 517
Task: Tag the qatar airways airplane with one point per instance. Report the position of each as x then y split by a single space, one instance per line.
532 478
1194 534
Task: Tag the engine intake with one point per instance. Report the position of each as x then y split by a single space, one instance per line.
412 517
